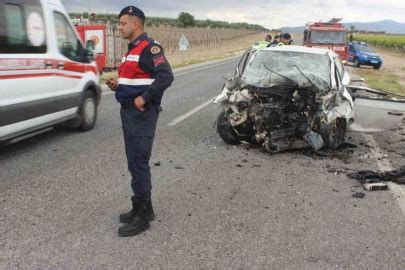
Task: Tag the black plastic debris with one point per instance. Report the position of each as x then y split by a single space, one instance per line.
239 165
359 195
179 168
368 176
371 180
157 164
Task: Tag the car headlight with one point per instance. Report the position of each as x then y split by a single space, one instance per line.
364 55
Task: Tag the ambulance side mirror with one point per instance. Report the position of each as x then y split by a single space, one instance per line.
88 56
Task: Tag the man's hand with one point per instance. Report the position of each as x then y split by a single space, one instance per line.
139 103
112 84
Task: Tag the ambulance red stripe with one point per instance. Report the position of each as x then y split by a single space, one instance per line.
45 64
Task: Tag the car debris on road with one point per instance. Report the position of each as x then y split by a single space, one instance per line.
372 180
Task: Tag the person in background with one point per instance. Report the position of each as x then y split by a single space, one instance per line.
275 41
285 39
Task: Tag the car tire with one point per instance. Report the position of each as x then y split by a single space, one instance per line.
376 67
334 134
88 112
225 130
356 62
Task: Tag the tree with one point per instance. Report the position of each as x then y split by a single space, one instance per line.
85 15
186 19
352 28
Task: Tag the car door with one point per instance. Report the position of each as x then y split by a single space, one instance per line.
376 110
69 51
344 75
351 54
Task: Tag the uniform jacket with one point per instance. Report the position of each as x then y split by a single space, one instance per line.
144 71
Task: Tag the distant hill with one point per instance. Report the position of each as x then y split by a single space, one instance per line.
388 26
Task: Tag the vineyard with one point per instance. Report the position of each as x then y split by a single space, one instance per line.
394 43
169 37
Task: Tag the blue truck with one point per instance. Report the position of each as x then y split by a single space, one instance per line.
361 54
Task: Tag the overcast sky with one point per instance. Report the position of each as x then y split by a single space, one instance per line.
269 13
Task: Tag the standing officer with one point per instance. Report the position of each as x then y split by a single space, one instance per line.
144 75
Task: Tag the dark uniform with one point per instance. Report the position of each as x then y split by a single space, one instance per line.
152 77
145 72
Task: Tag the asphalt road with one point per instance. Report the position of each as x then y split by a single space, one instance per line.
217 206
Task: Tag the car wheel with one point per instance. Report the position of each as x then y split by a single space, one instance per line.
225 130
376 67
88 112
356 62
334 134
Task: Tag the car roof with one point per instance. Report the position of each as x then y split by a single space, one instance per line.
296 48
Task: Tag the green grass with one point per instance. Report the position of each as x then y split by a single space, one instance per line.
381 40
382 80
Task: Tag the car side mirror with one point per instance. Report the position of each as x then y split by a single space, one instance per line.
231 84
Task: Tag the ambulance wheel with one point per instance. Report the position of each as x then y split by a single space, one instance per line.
88 112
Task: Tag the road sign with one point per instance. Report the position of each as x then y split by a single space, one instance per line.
183 43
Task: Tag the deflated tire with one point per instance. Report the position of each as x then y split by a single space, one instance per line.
225 130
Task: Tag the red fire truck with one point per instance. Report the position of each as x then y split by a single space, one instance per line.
95 34
330 35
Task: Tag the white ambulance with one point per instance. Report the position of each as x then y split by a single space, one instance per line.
47 76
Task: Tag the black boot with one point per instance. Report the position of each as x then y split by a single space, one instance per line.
139 222
127 217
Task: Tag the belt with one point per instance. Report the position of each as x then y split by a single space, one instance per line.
128 104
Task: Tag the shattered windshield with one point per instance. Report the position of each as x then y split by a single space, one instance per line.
269 68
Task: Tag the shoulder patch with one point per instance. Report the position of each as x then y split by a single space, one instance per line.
155 50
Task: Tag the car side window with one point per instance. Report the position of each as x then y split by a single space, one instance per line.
22 27
339 66
69 45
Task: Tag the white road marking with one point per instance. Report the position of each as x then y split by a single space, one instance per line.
190 113
385 165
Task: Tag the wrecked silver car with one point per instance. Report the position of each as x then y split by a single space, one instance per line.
287 97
